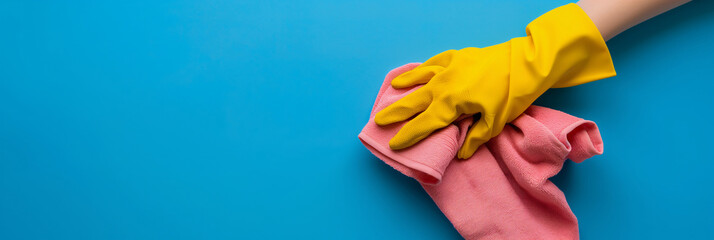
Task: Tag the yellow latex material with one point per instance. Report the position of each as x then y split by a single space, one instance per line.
562 48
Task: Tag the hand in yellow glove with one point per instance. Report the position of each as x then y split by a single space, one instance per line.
562 48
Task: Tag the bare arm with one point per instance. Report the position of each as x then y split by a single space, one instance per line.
615 16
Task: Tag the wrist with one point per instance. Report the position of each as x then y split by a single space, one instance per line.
615 16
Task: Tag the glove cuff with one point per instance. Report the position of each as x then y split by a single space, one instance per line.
565 48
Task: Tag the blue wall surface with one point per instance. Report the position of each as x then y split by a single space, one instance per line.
239 119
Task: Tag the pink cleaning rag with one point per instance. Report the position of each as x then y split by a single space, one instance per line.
502 191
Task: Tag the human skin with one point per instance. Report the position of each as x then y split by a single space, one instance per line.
615 16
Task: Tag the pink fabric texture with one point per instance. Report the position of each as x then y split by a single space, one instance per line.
502 191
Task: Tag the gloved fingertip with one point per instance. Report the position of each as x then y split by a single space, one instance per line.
399 83
381 118
379 121
396 145
385 119
467 150
463 154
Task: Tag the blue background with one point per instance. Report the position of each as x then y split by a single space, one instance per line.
239 119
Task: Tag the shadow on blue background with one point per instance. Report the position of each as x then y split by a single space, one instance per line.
239 119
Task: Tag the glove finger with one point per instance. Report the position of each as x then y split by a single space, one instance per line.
479 134
419 75
442 59
437 116
404 108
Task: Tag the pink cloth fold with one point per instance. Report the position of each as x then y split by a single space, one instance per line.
502 191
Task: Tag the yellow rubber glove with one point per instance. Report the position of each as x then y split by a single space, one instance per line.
562 48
